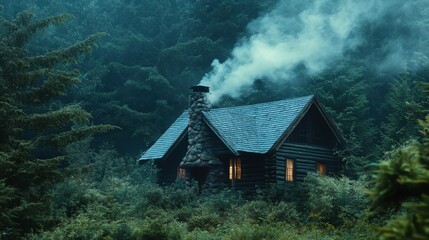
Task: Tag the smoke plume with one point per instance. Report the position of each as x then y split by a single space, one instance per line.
310 35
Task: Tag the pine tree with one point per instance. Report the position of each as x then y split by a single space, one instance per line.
34 128
403 108
403 179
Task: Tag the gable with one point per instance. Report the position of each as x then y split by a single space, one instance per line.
313 129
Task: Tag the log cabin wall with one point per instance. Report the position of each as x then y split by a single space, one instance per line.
252 173
305 159
168 167
270 168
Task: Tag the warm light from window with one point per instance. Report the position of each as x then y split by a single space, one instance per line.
181 173
238 168
234 168
321 168
289 170
231 167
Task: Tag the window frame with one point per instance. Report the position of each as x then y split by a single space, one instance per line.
321 168
289 170
235 169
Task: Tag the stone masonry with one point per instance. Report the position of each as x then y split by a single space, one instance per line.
200 152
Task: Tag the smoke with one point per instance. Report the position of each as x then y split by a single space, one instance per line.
310 35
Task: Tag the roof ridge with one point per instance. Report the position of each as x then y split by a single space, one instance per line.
262 103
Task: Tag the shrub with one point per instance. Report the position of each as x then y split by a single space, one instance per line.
179 195
154 197
285 212
205 220
255 211
222 202
249 231
160 228
68 196
334 201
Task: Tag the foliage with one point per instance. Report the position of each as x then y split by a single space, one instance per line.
108 216
334 201
35 128
403 179
404 109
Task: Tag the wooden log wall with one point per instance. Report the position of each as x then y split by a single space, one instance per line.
270 169
305 159
252 173
168 167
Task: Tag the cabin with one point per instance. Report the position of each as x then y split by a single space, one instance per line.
247 147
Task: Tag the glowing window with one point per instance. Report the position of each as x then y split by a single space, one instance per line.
234 168
321 168
289 170
181 173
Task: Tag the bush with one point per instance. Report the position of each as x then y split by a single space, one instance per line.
205 220
223 202
285 212
161 227
334 201
68 196
154 197
179 195
255 211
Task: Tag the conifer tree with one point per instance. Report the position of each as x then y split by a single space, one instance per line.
403 108
403 180
34 128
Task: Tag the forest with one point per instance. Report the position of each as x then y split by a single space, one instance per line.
86 86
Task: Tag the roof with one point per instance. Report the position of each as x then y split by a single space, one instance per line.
169 139
253 128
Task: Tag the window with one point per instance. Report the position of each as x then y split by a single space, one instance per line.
181 173
321 168
289 170
234 168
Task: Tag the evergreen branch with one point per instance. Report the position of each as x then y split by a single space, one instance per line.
67 55
6 197
65 138
25 28
54 86
57 119
40 170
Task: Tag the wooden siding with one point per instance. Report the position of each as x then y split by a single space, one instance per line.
313 130
270 168
168 167
305 159
252 173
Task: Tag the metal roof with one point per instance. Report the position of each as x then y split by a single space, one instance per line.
251 128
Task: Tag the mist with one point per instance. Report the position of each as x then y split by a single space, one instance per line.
307 37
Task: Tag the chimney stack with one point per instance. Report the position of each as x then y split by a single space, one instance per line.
200 154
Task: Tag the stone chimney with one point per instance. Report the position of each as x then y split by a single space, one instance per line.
200 156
